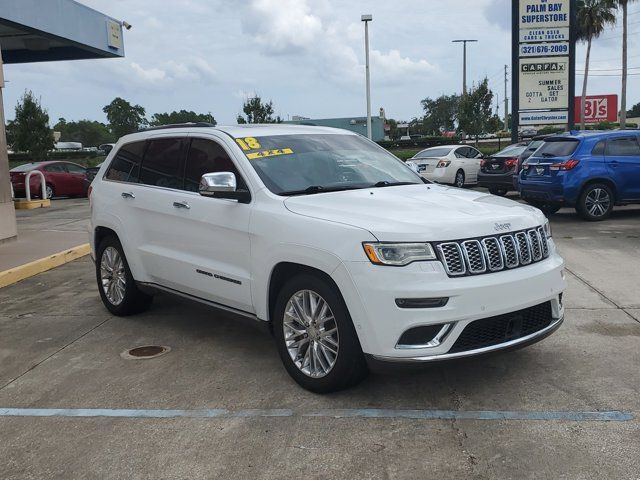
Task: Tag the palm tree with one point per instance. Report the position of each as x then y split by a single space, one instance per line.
593 16
623 97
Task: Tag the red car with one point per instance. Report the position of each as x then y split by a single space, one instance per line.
62 179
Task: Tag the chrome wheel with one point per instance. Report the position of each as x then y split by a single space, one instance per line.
597 202
459 179
112 275
49 191
310 333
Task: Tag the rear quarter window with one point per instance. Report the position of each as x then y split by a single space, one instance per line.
125 166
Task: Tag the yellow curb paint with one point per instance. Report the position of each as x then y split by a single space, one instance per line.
13 275
29 205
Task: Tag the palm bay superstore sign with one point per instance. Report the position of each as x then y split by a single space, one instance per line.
544 83
544 20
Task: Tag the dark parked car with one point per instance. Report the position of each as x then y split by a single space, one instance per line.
92 171
62 179
496 172
531 147
591 171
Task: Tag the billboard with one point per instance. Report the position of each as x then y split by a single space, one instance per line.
598 108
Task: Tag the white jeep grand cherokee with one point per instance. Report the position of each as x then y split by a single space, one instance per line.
341 249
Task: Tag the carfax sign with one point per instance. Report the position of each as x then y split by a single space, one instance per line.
544 20
544 83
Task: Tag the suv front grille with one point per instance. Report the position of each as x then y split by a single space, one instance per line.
491 331
493 254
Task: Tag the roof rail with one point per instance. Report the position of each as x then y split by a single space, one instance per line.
179 125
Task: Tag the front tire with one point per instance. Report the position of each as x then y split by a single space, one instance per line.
315 336
117 287
595 202
459 180
49 191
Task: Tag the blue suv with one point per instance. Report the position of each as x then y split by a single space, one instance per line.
591 171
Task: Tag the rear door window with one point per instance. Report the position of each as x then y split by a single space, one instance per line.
125 166
55 168
599 148
557 148
163 161
623 147
72 168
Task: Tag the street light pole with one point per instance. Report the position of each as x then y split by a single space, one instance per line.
366 19
464 62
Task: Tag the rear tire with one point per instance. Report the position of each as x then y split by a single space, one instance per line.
318 346
459 180
116 285
501 192
595 202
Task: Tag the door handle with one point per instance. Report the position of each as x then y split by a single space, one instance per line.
128 195
181 205
614 164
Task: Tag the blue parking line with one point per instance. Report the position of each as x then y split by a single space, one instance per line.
605 416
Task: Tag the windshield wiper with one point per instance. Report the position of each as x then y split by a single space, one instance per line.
386 183
548 155
321 189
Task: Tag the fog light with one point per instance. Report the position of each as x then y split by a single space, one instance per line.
421 302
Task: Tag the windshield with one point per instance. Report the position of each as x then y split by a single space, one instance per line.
434 152
296 164
26 167
557 148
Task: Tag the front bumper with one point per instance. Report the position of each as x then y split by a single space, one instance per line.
380 322
509 345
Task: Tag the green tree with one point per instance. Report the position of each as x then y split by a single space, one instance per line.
88 133
623 4
123 117
495 124
440 113
257 111
30 130
475 109
635 111
593 16
183 116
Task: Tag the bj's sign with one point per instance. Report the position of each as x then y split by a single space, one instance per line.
598 108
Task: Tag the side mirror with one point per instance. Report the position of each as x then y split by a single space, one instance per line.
222 185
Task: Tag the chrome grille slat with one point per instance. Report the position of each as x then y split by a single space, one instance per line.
494 254
490 254
451 253
524 249
474 255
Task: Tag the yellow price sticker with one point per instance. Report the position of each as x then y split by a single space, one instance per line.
248 143
269 153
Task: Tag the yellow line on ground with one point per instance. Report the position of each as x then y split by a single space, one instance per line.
13 275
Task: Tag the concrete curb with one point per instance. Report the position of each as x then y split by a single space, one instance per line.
13 275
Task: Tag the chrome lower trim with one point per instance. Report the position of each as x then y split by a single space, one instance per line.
470 353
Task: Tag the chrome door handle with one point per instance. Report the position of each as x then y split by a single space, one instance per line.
181 205
128 195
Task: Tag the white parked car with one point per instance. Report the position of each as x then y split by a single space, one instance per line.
348 256
449 164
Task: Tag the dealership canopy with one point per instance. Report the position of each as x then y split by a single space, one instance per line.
43 31
46 30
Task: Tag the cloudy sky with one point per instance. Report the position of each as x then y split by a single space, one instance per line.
305 55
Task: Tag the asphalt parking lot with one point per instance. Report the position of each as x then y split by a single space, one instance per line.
220 405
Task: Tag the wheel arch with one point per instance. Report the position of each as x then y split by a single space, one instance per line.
606 180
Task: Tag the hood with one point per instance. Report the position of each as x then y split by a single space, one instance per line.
419 212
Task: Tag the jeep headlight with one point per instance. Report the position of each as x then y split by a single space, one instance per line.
398 254
546 226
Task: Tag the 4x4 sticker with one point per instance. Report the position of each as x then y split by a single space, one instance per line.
269 153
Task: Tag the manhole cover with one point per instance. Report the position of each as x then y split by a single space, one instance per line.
145 352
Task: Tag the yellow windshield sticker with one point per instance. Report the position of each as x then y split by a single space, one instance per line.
248 143
269 153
